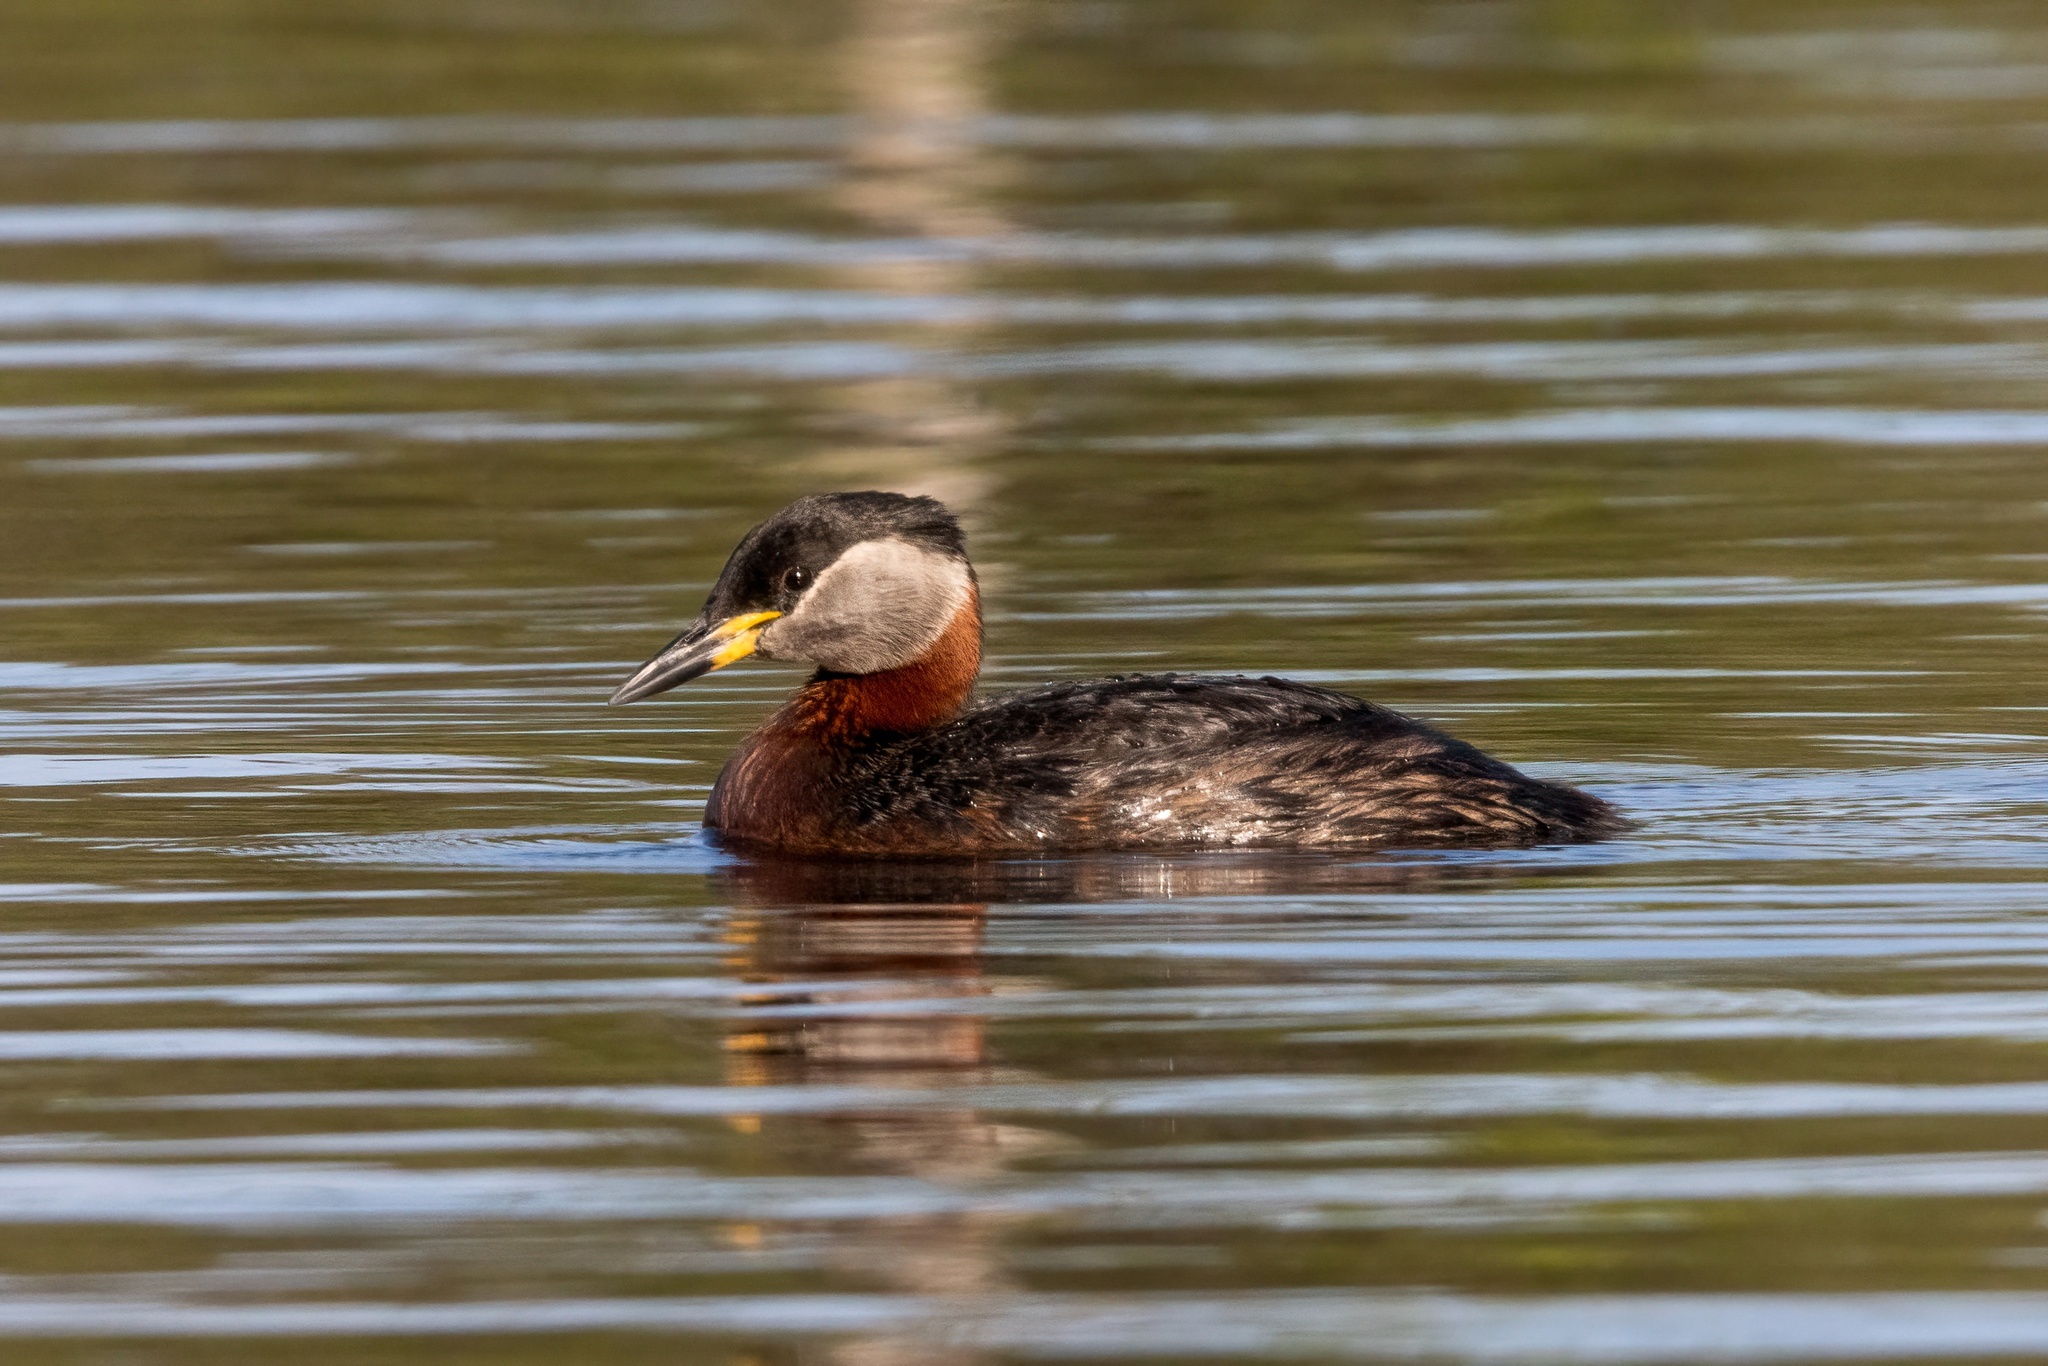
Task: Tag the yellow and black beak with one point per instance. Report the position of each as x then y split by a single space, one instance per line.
697 651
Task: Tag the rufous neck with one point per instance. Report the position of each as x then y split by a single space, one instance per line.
927 692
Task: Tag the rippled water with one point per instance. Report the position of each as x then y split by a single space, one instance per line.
1657 395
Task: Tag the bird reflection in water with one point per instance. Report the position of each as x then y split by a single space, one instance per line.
924 954
868 973
868 970
860 989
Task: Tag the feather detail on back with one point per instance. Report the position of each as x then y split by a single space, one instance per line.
1168 761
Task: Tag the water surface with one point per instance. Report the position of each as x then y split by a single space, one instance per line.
1655 395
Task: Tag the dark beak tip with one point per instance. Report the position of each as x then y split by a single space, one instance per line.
686 657
649 682
632 690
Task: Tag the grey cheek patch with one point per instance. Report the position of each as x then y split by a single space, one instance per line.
879 606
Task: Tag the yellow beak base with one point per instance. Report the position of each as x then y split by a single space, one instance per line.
740 634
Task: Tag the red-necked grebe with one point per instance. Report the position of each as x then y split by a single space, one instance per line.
882 753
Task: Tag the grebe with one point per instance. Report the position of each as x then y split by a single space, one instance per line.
880 752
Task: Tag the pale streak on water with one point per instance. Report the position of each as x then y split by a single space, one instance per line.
1660 406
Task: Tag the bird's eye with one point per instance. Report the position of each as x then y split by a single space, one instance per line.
796 580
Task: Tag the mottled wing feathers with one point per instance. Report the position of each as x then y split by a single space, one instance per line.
1180 760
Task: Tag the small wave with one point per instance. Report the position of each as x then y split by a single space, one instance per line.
530 849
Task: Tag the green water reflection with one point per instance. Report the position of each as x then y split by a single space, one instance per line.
1651 392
